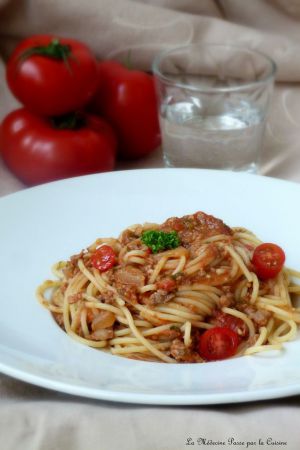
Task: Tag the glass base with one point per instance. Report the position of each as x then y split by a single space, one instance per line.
248 168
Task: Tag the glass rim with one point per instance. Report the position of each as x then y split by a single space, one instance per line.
266 79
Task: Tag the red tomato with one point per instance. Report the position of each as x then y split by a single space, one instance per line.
234 323
268 260
52 76
127 99
37 152
218 343
104 258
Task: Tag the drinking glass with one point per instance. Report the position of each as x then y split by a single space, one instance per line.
213 103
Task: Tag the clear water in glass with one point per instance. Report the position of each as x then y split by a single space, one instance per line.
229 137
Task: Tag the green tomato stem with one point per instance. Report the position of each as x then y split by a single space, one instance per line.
54 50
70 121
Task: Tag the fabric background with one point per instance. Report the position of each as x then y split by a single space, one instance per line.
32 418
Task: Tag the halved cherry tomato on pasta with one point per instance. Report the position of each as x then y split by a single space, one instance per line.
268 260
218 343
104 258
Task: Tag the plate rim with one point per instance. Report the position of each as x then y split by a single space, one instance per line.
151 399
266 178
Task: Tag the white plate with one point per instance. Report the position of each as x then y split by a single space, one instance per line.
42 225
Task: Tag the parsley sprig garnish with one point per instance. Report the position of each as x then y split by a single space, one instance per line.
158 241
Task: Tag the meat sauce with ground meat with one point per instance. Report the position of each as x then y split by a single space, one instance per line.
196 227
191 229
213 269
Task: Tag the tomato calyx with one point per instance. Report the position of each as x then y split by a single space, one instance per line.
127 61
54 50
70 121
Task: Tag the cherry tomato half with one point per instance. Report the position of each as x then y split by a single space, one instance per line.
218 343
104 258
268 260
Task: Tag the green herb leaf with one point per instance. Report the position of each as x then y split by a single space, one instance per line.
158 241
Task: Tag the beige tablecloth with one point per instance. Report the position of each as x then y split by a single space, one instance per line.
33 418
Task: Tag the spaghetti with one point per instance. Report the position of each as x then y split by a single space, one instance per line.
156 303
